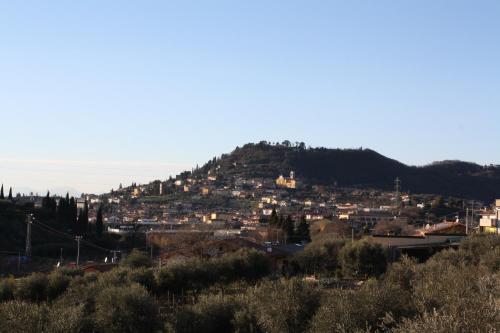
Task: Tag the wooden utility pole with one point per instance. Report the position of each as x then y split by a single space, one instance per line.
29 221
467 221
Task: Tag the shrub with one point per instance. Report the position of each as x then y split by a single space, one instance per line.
79 302
284 306
491 260
71 272
57 284
478 245
197 274
363 309
22 317
211 314
402 273
143 276
137 259
445 323
459 292
33 288
320 256
67 319
362 259
115 277
128 309
7 289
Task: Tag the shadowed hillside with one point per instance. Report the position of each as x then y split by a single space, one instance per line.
358 168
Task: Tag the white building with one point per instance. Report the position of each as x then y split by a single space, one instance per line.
489 222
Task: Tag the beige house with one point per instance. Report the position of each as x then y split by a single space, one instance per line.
287 182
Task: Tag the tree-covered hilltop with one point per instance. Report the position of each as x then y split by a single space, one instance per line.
356 168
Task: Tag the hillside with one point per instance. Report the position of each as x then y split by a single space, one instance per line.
358 168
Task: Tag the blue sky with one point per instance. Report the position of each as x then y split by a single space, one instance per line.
94 93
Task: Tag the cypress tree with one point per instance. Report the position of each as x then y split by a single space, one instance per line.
72 214
98 222
273 220
1 193
288 228
281 221
10 194
303 230
85 222
62 212
46 201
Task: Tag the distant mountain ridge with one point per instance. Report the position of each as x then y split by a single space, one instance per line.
363 168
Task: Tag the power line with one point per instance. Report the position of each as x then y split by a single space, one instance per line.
68 236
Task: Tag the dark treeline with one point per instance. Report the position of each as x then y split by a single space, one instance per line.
293 231
68 216
54 226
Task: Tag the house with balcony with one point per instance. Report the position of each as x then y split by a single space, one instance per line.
489 221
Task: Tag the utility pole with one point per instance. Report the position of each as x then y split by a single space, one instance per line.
61 257
496 224
78 239
115 258
397 184
29 221
472 214
467 221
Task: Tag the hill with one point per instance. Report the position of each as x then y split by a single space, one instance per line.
362 168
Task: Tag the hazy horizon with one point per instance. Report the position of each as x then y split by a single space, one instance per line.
94 94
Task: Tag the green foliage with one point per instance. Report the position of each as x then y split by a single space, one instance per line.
302 230
289 228
284 306
57 284
67 319
357 167
137 259
402 274
320 256
197 274
437 322
244 321
71 272
363 258
273 219
7 289
124 310
143 276
454 291
99 223
33 288
22 317
358 310
211 314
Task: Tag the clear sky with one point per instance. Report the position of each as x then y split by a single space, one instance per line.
94 93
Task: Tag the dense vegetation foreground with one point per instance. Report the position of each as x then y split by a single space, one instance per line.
454 291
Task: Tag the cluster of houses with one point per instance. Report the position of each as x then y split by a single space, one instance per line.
192 203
